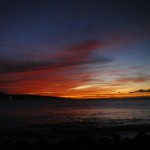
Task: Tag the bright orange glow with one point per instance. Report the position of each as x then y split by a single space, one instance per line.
75 86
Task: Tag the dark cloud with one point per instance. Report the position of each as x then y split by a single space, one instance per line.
141 91
75 55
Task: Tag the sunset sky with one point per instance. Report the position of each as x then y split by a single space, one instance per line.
75 48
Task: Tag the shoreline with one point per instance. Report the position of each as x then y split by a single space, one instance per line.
57 135
140 141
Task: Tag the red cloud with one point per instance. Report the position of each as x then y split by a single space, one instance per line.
57 74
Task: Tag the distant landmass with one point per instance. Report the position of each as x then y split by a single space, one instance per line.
5 96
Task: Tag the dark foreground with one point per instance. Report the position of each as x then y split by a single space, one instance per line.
141 141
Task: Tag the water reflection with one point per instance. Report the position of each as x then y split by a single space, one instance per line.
97 113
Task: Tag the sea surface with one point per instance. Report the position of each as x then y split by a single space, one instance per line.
54 121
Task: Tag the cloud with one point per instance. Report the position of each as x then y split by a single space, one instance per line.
134 80
82 87
19 66
116 41
74 55
140 91
64 69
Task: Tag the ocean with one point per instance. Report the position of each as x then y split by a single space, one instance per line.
54 121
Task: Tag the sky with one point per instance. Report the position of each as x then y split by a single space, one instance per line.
75 48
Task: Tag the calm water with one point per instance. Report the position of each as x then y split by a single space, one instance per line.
55 120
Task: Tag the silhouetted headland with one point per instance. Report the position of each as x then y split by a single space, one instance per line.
4 96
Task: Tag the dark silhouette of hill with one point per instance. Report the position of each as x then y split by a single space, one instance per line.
2 93
4 96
